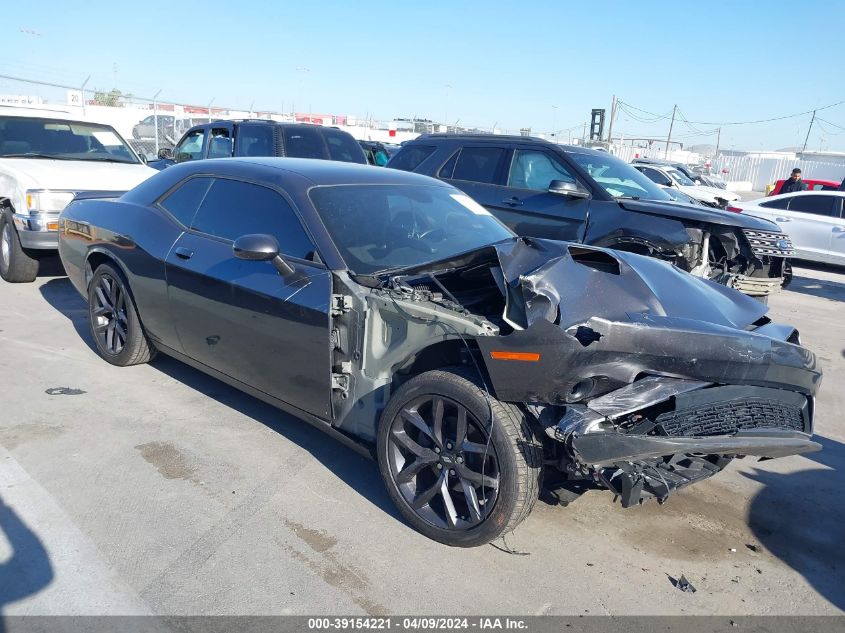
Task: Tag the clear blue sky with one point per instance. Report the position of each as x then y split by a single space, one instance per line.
538 64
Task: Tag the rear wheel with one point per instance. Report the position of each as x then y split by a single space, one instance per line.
115 326
452 474
16 264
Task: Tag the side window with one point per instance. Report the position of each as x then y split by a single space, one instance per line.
409 158
655 176
478 164
343 147
817 205
219 143
256 140
303 142
191 147
535 170
777 203
182 203
233 208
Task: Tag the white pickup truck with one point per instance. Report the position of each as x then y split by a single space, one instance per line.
46 158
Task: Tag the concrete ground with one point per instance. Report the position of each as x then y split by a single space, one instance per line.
156 489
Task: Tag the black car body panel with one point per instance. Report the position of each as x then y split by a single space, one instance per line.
638 375
709 243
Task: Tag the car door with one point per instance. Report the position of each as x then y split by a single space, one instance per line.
478 171
528 208
811 221
243 318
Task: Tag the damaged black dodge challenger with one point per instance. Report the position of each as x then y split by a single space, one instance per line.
395 313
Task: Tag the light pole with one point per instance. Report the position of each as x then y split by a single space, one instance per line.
448 88
155 118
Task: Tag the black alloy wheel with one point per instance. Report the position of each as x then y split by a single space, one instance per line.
461 466
442 463
117 331
108 314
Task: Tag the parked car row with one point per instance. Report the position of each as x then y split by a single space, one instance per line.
516 314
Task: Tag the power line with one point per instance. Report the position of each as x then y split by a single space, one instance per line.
717 123
830 123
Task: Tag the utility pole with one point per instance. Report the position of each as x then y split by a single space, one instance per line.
718 139
808 131
155 117
610 126
669 138
584 135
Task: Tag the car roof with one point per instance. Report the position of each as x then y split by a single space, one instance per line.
331 172
498 138
758 201
33 113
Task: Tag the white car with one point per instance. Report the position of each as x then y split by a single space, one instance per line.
46 158
815 220
667 176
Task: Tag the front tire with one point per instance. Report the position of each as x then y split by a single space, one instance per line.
16 264
449 477
115 326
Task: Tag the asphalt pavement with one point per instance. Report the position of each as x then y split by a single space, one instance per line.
156 489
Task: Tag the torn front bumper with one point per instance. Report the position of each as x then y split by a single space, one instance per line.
660 434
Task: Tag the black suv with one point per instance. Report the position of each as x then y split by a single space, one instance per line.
562 192
251 137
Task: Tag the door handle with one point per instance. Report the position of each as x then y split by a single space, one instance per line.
782 220
512 202
183 253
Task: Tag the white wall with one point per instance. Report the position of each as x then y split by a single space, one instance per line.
765 168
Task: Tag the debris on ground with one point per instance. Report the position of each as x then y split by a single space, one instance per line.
63 391
752 547
683 584
733 550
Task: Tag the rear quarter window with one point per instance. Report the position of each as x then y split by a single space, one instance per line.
410 157
343 147
304 142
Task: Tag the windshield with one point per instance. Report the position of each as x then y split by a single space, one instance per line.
680 178
65 140
617 177
385 227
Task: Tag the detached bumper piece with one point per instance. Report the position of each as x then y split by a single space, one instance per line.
661 434
754 286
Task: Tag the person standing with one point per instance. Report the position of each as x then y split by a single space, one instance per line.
794 183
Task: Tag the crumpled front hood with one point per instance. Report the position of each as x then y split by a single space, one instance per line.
698 214
569 284
603 319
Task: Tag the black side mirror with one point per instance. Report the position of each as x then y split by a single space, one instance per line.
568 189
261 247
165 152
143 158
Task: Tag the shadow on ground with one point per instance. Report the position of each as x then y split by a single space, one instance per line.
61 294
28 570
819 287
793 525
358 472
